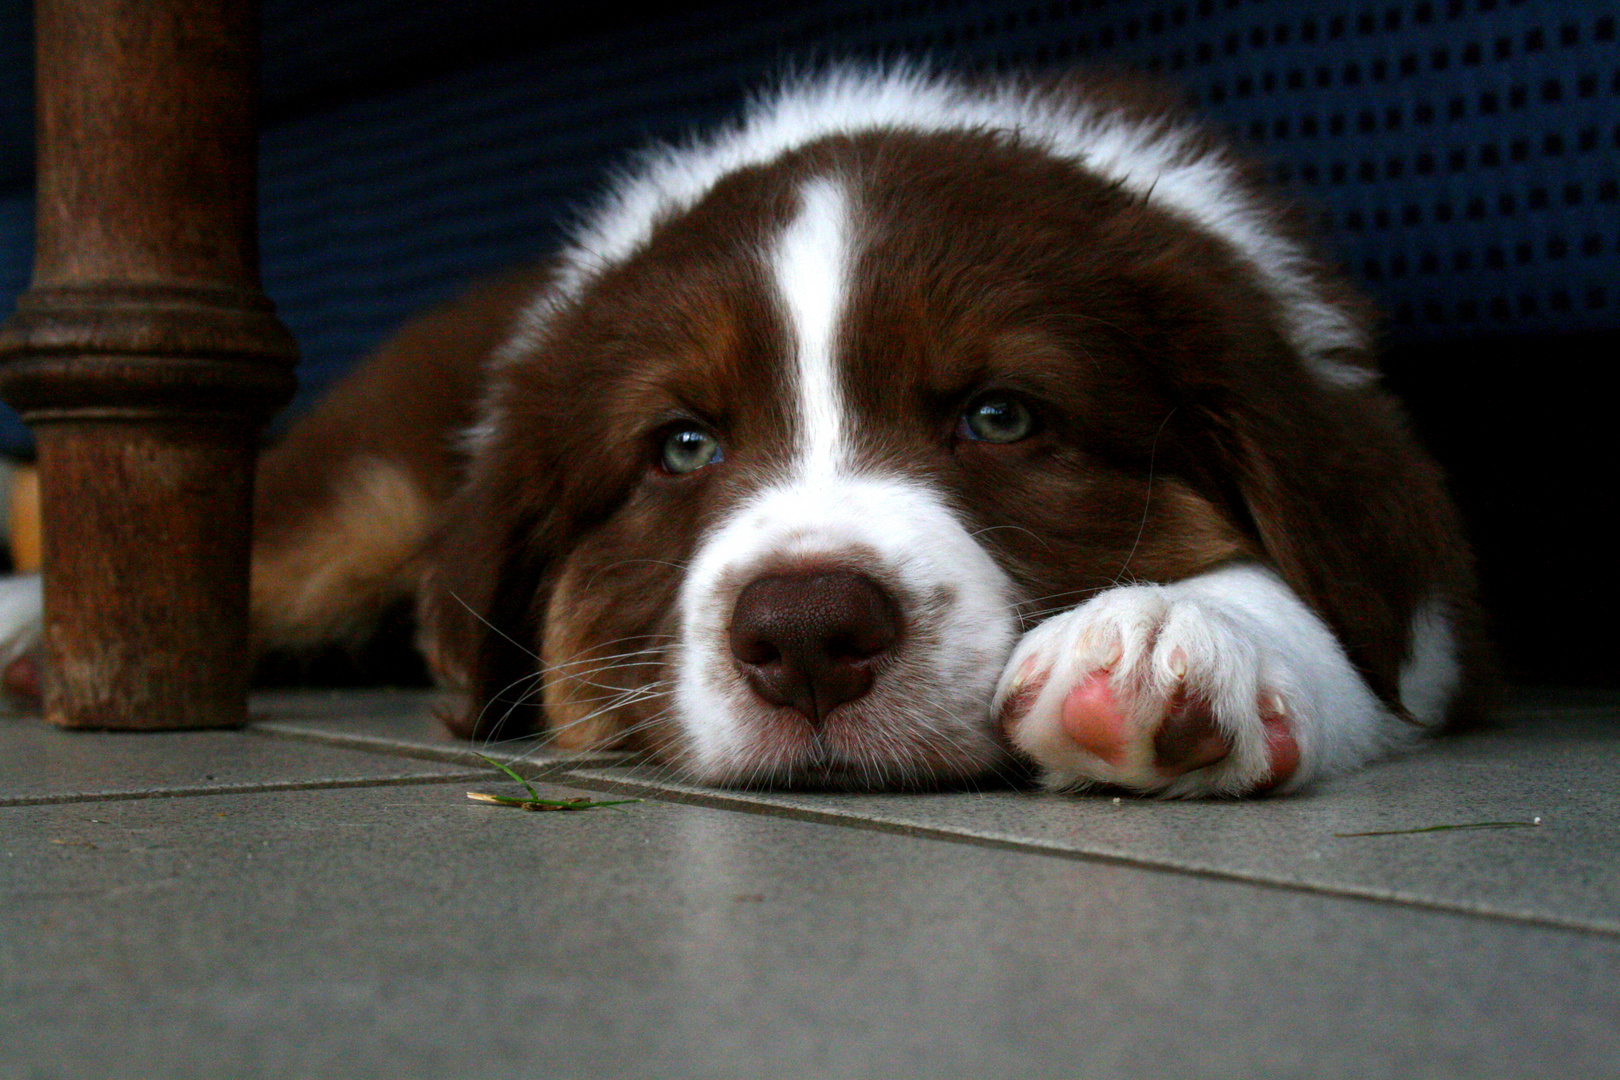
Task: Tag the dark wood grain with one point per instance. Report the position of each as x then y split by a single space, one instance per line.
146 357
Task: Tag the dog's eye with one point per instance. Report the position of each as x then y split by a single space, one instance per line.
688 449
997 418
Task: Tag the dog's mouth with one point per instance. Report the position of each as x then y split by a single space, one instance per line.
863 751
919 721
830 774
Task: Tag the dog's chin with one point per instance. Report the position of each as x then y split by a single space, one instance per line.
781 751
832 775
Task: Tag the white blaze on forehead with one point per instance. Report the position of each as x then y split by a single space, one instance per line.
811 266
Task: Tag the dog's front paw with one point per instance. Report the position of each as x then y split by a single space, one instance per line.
1220 685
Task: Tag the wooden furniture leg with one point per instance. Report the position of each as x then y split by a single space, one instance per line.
146 357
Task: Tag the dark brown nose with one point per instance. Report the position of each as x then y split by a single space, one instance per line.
812 640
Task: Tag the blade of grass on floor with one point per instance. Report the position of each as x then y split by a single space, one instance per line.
534 801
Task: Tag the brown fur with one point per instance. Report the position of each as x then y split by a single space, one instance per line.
344 504
332 579
1180 431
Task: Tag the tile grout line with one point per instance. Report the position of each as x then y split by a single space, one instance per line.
534 769
1006 843
195 791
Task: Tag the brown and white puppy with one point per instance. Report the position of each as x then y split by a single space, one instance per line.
904 430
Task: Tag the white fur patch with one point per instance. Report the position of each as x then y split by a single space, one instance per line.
811 266
1159 162
1430 675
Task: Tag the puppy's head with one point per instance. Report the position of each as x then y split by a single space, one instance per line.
777 471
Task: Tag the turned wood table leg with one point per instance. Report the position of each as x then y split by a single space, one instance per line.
146 357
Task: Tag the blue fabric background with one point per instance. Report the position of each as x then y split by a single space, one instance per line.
1462 154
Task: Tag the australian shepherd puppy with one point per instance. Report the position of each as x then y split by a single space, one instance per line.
906 430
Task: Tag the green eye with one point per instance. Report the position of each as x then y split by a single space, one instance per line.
689 449
997 418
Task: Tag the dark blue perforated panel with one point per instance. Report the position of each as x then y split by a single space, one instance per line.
1462 153
1465 153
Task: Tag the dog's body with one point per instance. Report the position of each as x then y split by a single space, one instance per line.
904 431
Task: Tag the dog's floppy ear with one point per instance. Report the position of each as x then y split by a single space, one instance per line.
479 610
1352 513
482 592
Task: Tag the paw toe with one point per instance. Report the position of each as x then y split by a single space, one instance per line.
1092 718
1282 748
1188 738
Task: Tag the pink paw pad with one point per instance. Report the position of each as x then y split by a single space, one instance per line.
1187 738
1092 718
1282 749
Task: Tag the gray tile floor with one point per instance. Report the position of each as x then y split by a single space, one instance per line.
314 896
